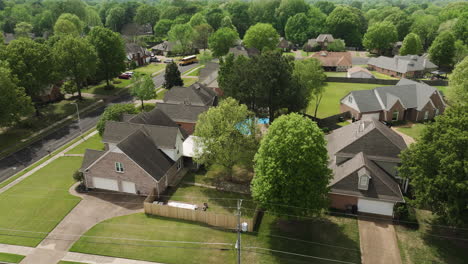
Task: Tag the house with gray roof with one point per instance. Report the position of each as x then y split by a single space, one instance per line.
164 48
209 77
241 50
143 153
364 159
407 100
137 54
409 66
323 40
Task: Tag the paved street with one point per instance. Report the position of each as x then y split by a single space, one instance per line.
19 160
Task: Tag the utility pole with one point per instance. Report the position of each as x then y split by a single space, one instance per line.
78 114
239 230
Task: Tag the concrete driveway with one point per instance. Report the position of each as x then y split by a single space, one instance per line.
93 209
378 242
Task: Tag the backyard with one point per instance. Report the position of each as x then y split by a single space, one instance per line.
412 130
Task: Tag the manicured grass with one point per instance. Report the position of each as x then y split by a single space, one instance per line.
341 232
195 72
70 262
335 74
38 203
413 130
289 54
119 85
306 54
226 205
330 104
443 89
189 81
344 123
11 258
419 245
147 107
50 114
161 94
94 142
379 75
150 68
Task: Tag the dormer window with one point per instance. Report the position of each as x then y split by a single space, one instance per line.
363 179
350 99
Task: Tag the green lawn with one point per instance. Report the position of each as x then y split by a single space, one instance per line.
414 130
443 89
70 262
160 95
147 107
306 54
189 81
150 68
330 104
119 85
94 142
50 114
11 258
341 232
379 75
195 72
344 123
289 54
38 203
418 245
335 74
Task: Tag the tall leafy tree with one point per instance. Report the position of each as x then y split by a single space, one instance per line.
172 76
143 89
291 168
436 166
110 52
402 23
325 6
92 18
344 23
197 19
312 77
442 49
68 24
116 18
263 11
23 29
214 17
222 40
461 51
380 36
240 16
458 94
76 58
226 135
261 36
114 113
460 29
227 23
202 35
297 29
317 21
147 14
14 101
182 35
426 27
411 45
162 27
287 9
33 64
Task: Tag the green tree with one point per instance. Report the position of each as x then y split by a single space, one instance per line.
380 36
197 20
116 18
325 6
263 11
226 135
311 75
411 45
426 28
297 29
461 51
442 49
287 9
182 35
460 29
240 16
114 113
68 24
162 27
261 36
33 65
227 23
337 45
43 22
92 18
68 87
344 23
76 58
436 166
458 94
402 23
14 101
317 21
110 52
143 89
202 35
23 29
147 14
286 176
222 40
172 76
214 17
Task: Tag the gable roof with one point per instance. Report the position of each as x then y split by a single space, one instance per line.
209 74
244 51
323 37
195 94
133 48
403 64
90 156
333 59
141 149
164 46
183 112
154 117
358 69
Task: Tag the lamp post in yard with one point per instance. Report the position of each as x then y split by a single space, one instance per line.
78 114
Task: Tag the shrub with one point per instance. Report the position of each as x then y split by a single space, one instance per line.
78 176
113 113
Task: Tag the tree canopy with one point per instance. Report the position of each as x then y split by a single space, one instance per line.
182 35
380 36
143 88
411 45
459 83
298 28
310 74
114 113
345 23
442 49
261 36
222 40
172 76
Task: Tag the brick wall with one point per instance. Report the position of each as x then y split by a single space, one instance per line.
341 201
189 127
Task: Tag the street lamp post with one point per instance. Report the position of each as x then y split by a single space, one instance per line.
79 122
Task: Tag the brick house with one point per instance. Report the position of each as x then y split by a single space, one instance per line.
334 61
407 100
364 159
142 153
137 54
323 40
409 66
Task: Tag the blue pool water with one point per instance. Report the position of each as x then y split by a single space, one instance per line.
244 127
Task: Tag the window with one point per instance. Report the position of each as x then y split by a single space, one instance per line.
179 164
119 167
395 115
426 115
363 180
350 99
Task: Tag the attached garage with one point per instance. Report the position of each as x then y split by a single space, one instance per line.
375 207
105 184
128 187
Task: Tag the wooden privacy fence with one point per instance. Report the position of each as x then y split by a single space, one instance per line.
209 218
381 81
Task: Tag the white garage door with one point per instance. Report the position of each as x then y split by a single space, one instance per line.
106 184
375 207
128 187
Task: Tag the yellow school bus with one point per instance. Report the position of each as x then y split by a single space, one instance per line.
188 60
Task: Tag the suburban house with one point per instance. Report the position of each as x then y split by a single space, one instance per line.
364 159
184 104
137 54
334 61
142 153
209 76
284 44
409 66
407 100
359 72
239 50
131 30
164 48
322 40
396 48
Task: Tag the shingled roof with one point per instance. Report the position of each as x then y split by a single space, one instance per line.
403 64
89 157
242 50
183 112
333 59
195 94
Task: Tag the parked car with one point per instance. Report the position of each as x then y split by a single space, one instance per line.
168 60
126 75
155 59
